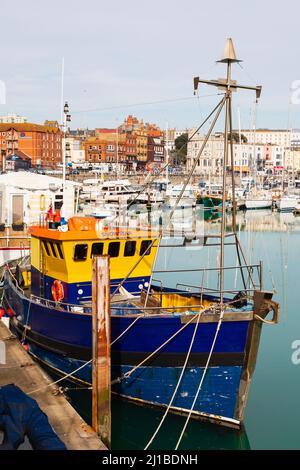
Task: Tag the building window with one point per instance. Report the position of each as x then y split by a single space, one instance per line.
113 249
80 252
130 248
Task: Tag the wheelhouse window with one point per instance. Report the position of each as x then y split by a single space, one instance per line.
80 252
46 248
97 249
53 249
145 247
59 250
130 248
114 249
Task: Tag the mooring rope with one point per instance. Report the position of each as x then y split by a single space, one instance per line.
62 378
202 378
130 372
177 386
125 331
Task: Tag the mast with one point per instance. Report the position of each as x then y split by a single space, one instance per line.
229 57
240 144
227 85
167 155
117 151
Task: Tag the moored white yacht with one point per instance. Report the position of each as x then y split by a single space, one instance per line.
110 191
287 203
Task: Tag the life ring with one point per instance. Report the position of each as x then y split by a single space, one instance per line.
57 290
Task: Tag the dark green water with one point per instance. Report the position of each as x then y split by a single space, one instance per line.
273 411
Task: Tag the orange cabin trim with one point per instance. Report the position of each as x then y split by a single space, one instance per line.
85 228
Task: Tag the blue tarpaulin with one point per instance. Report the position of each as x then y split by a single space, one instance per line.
21 416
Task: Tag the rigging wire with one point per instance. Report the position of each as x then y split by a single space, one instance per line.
147 103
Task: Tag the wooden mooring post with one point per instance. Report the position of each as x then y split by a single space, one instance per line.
101 405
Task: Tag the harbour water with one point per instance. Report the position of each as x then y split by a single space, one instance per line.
273 410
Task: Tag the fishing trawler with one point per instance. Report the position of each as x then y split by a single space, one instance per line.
190 348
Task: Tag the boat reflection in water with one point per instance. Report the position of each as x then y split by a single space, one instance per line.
127 417
265 221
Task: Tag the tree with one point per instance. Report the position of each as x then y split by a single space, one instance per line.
236 138
180 152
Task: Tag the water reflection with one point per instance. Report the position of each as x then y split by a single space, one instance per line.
191 218
133 425
265 221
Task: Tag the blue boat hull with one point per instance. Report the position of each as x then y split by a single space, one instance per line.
62 341
155 385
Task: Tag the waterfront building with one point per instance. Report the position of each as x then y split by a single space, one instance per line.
141 145
133 144
212 155
170 135
155 151
41 143
17 161
12 118
106 147
292 160
280 137
248 156
75 150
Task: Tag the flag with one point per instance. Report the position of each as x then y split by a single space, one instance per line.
49 214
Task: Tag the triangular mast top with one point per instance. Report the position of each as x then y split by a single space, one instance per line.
229 55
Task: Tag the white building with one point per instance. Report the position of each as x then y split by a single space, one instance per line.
74 150
12 118
170 136
26 196
247 156
292 160
212 156
281 137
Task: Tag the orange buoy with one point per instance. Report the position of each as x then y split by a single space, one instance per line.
57 291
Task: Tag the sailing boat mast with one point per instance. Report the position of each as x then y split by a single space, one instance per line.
167 155
240 145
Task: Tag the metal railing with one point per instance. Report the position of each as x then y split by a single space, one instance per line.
250 269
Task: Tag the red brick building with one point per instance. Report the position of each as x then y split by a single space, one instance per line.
137 144
41 143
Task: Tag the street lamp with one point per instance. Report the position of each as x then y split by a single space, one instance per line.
67 118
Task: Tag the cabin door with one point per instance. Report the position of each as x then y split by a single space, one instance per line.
17 209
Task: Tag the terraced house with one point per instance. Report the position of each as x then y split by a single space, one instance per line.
133 144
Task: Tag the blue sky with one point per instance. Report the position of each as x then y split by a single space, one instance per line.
139 57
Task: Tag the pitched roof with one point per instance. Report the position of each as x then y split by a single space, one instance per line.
19 154
27 127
